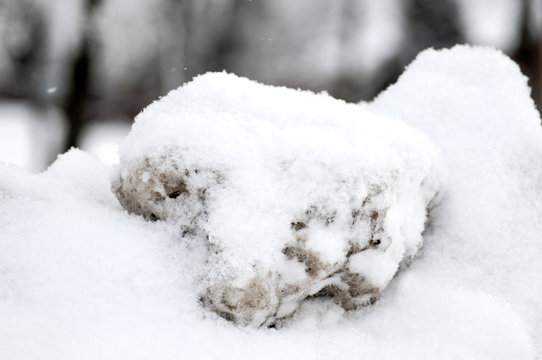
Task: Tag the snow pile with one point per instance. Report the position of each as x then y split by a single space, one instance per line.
293 194
76 273
80 278
486 235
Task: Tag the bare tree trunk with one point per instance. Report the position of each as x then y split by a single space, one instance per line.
77 98
428 23
529 52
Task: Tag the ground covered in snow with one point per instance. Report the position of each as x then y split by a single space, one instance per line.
81 278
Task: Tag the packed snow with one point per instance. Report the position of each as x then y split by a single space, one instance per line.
82 278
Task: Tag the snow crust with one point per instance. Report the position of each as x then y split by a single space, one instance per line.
81 278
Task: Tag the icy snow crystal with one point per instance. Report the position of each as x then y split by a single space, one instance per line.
293 194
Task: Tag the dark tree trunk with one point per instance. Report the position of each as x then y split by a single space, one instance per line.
431 24
529 52
75 101
428 23
77 98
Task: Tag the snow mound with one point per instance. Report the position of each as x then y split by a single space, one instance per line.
475 104
293 194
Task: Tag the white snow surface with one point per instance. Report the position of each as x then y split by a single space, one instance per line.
80 278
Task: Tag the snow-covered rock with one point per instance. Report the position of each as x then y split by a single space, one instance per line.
294 194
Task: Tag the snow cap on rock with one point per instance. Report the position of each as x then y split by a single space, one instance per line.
294 193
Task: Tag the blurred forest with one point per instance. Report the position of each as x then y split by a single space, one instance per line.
94 61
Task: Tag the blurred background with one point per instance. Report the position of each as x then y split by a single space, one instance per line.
76 72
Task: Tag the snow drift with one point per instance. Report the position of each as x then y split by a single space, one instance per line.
294 194
81 278
474 104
